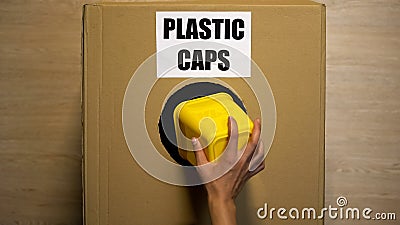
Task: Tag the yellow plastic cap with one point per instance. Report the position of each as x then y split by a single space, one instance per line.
206 118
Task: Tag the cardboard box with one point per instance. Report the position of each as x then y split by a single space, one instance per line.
277 49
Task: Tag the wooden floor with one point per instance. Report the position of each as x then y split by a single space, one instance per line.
363 106
40 127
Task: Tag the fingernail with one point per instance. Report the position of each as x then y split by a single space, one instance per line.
194 141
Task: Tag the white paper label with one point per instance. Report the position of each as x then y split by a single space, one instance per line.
203 44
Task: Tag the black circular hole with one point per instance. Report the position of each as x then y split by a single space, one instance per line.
166 126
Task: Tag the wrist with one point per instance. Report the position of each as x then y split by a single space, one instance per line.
220 200
222 211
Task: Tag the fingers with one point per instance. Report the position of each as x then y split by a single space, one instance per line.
258 169
231 147
255 136
233 132
201 157
258 157
252 173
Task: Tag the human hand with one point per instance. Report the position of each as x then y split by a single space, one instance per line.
223 191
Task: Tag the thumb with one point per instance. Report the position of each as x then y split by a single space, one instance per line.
201 157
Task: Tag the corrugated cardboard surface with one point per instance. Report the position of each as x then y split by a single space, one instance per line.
288 44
